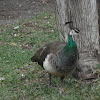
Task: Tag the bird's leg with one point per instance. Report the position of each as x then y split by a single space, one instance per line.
61 85
50 80
62 81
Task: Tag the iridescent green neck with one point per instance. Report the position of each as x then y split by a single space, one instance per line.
71 45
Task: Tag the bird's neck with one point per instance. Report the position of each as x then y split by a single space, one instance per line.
71 45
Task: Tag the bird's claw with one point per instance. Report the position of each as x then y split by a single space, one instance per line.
61 90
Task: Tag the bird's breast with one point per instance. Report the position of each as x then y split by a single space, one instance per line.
49 68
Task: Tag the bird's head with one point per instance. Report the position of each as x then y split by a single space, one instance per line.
74 32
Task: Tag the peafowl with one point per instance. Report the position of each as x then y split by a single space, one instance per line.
58 58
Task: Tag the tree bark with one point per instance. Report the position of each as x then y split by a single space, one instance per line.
84 14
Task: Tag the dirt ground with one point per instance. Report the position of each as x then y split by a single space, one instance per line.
13 10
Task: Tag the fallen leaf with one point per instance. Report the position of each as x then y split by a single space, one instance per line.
23 75
16 27
1 78
13 43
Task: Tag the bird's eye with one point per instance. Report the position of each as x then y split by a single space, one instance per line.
77 30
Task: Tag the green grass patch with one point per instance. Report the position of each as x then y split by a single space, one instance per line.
20 79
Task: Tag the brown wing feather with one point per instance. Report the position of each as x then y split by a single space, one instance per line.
42 53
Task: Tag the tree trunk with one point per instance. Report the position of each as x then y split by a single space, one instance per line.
84 14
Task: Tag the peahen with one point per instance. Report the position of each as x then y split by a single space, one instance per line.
58 58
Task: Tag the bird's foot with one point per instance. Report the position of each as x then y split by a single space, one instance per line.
61 91
51 86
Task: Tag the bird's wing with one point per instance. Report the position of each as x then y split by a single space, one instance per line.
42 53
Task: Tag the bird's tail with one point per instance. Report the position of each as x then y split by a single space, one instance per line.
33 59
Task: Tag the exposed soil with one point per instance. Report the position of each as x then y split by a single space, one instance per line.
14 10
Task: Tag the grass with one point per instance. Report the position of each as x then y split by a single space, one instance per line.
24 80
